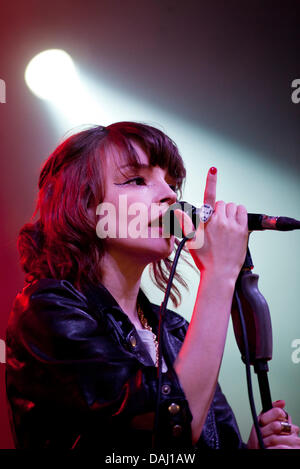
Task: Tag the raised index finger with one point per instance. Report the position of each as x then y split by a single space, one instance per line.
211 187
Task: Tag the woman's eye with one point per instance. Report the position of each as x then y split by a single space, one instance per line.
139 181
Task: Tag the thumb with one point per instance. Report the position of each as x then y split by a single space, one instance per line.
279 403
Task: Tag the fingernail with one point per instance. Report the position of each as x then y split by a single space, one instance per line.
213 170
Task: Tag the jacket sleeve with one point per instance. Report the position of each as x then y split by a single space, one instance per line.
62 363
228 432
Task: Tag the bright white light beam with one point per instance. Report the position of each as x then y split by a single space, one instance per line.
52 76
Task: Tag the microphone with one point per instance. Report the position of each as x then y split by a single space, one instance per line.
256 221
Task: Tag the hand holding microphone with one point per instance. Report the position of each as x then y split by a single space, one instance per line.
190 220
219 244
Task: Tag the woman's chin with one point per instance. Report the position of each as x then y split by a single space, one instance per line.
153 249
159 248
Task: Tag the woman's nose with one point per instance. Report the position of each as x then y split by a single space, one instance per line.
167 194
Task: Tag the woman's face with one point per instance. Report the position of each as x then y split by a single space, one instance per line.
129 214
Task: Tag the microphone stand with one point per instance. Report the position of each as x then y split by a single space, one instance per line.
250 307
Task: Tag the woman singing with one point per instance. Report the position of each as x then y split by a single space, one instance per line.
82 335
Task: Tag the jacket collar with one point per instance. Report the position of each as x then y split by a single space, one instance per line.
103 301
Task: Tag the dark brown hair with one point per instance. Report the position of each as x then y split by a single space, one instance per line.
63 243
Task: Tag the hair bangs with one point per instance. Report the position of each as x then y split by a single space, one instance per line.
160 148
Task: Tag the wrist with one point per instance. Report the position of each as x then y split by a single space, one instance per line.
221 280
215 293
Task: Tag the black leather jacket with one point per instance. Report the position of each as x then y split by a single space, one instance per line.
78 375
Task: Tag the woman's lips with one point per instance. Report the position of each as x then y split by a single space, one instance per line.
159 228
157 221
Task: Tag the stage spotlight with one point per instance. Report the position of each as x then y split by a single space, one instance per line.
52 76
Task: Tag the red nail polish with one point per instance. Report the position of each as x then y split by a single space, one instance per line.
213 170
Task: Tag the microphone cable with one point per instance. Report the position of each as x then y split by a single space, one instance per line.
162 312
159 339
248 370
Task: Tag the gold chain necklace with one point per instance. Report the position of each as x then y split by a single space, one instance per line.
146 325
